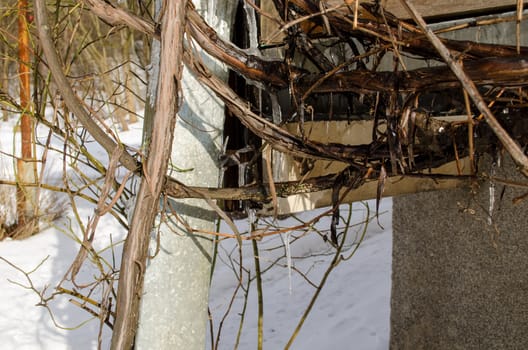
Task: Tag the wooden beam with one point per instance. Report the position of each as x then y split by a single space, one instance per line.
429 9
394 186
288 168
441 8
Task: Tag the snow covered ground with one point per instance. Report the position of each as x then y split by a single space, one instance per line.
351 312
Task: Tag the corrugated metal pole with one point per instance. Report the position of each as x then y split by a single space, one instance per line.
173 313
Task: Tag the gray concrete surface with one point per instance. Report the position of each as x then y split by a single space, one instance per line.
459 282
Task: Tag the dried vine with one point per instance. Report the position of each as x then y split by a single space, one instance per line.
327 70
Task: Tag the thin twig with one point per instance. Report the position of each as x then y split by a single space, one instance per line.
260 294
470 132
269 171
290 24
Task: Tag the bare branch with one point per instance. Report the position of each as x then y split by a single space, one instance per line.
69 96
502 71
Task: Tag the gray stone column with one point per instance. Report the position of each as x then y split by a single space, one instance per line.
459 282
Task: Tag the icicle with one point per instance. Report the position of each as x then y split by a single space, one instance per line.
497 163
251 215
286 241
275 109
252 26
491 194
242 174
211 15
222 165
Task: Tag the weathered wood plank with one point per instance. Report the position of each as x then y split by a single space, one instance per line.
427 8
433 8
395 186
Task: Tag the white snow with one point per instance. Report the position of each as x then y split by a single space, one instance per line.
352 311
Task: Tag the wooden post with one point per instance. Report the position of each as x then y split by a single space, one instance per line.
25 164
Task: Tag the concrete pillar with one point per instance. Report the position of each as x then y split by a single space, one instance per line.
459 282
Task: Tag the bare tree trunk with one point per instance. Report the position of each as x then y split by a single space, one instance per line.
173 312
